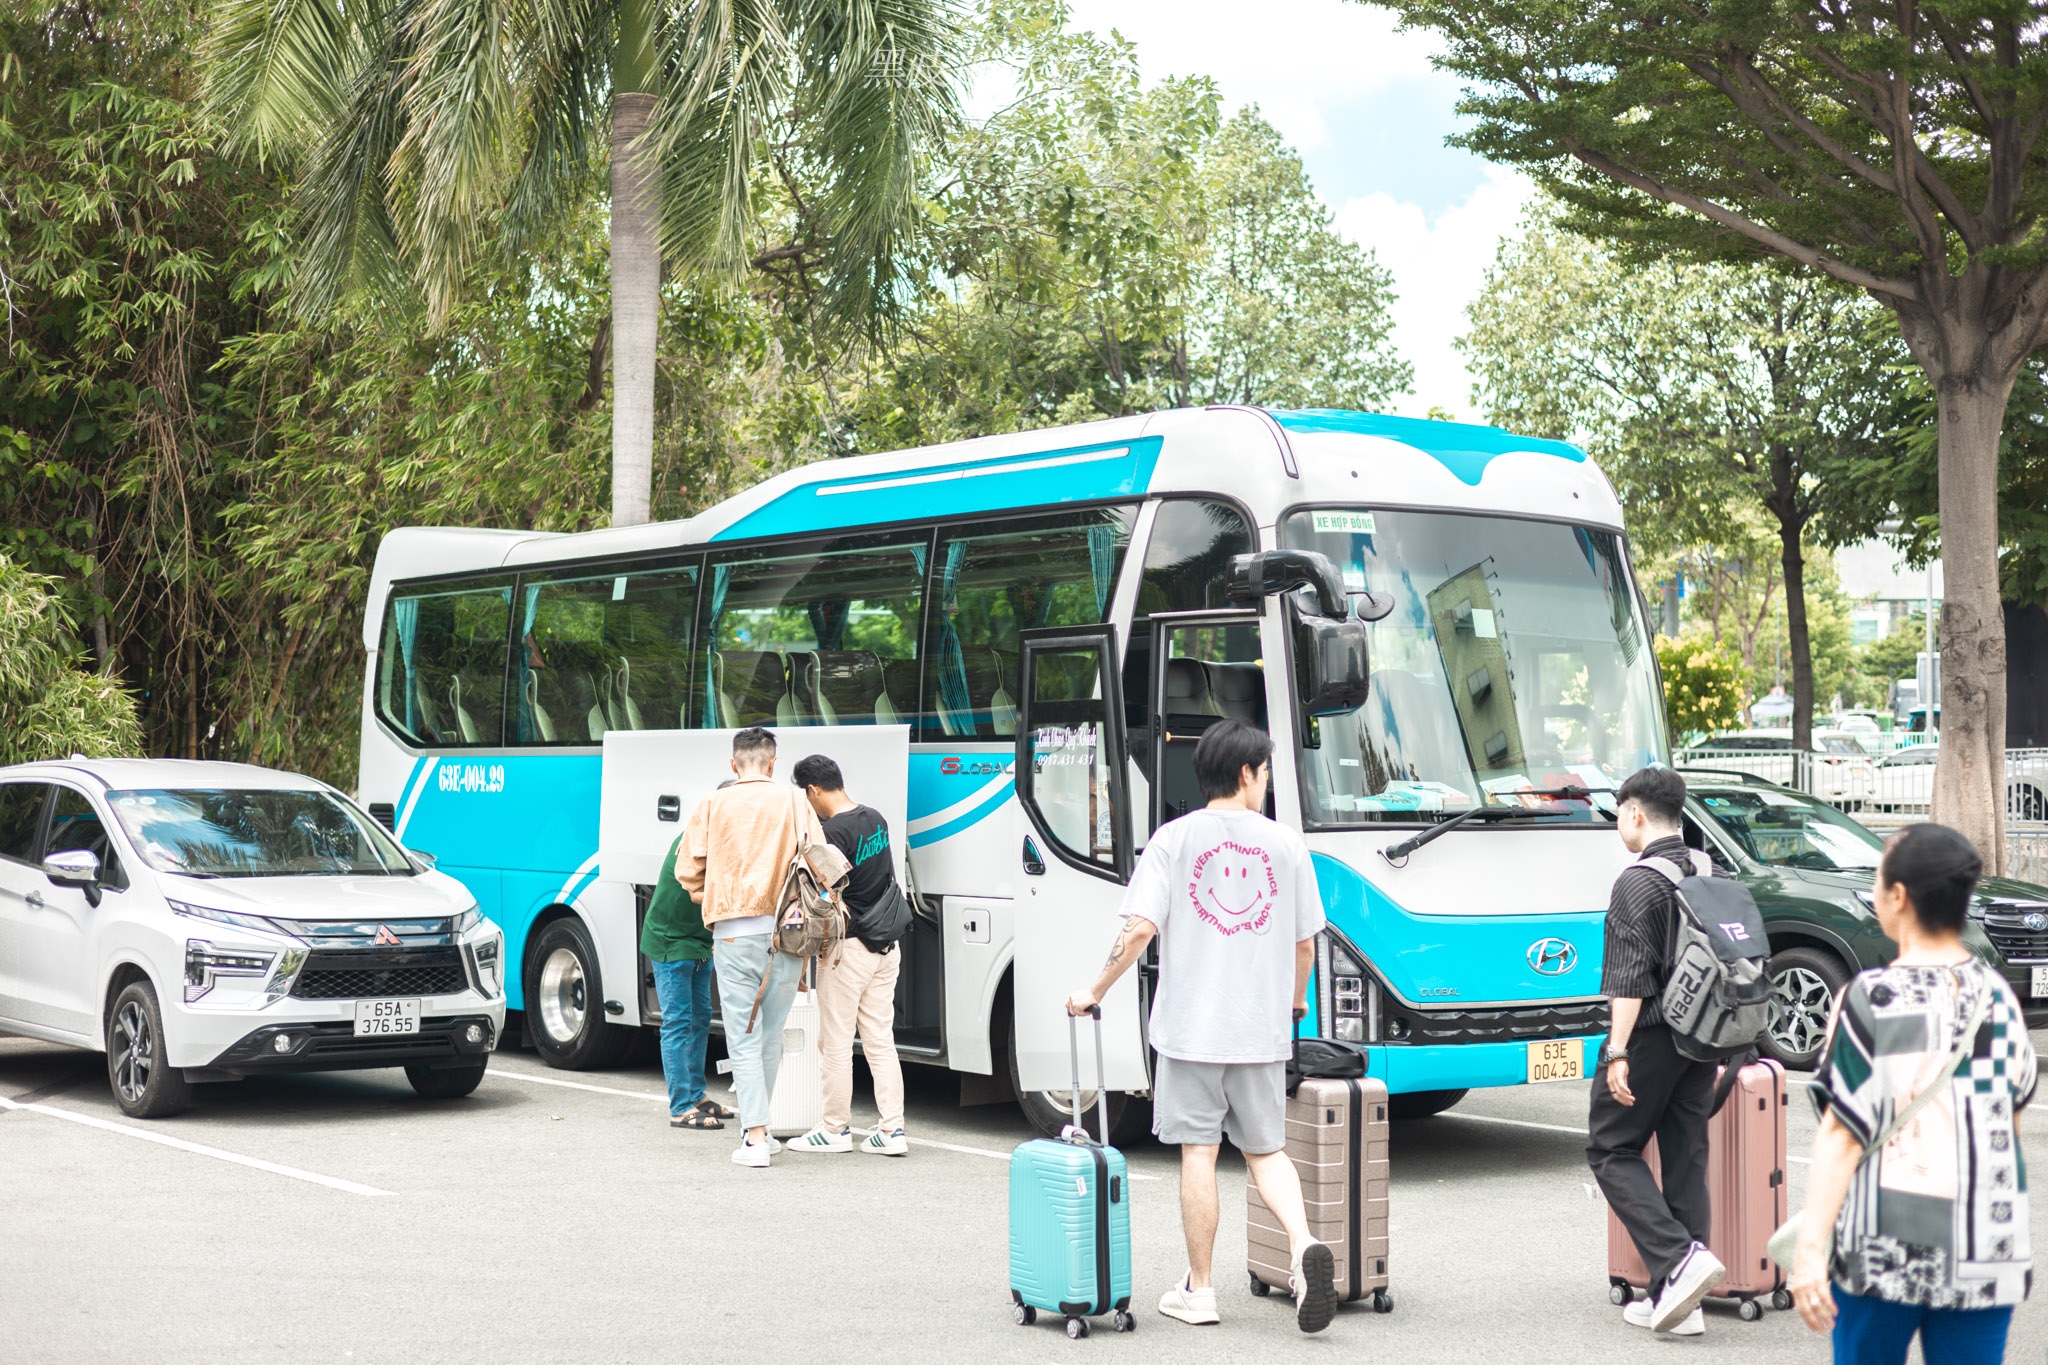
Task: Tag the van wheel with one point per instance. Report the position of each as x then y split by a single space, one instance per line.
1804 983
1420 1104
565 1002
1049 1111
145 1085
445 1082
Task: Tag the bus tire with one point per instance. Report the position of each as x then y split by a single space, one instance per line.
1048 1112
1420 1104
565 1001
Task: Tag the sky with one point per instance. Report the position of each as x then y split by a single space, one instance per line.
1368 115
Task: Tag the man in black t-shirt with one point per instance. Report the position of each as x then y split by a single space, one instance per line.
857 985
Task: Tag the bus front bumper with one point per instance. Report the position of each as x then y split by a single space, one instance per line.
1470 1066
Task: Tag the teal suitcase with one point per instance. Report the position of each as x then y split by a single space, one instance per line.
1070 1220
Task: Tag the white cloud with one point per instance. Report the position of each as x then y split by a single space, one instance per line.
1438 268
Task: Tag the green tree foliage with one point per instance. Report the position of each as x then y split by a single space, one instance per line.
50 704
1703 686
1102 247
1706 390
1896 655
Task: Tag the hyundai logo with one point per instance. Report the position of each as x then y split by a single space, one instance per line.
1553 956
2036 921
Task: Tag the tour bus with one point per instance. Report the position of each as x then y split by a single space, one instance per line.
1011 645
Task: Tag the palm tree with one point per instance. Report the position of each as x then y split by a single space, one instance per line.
419 125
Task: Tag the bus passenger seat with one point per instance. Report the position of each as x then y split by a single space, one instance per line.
850 690
625 711
753 688
807 702
1002 707
1239 692
431 728
1187 689
536 714
462 716
899 689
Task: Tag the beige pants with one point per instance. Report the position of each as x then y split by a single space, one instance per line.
860 989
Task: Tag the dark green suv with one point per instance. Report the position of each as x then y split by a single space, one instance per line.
1809 867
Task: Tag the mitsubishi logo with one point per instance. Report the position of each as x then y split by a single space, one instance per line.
385 936
1553 956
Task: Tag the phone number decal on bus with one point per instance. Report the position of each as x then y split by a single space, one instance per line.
471 777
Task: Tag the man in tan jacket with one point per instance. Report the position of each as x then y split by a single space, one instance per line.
733 860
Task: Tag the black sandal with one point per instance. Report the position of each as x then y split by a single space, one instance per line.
707 1105
695 1118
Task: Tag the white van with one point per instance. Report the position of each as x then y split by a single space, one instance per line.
208 921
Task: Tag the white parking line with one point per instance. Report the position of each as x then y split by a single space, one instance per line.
196 1148
1560 1128
663 1099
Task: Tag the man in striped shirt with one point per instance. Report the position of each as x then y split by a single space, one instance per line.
1648 1089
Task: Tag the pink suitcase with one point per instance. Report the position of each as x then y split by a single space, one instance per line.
1746 1184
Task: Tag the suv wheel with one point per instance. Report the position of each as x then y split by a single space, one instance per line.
145 1085
565 1002
445 1082
1804 983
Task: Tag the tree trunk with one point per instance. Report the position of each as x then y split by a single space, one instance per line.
1969 774
1791 558
636 307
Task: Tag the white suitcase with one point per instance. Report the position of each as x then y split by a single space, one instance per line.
798 1102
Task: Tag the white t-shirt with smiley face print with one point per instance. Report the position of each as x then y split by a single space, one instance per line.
1231 893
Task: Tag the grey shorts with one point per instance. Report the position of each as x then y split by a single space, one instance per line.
1195 1103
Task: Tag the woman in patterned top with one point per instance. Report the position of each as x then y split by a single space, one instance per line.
1930 1233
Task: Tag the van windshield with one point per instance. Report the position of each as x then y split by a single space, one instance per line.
217 833
1786 829
1516 656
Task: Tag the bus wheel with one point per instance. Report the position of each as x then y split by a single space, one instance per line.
1049 1111
1420 1104
565 1002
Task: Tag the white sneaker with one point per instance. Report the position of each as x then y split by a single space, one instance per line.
751 1154
774 1145
1637 1314
1190 1305
823 1139
1315 1287
1695 1277
891 1143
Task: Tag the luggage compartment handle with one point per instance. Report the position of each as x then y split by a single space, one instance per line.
1078 1131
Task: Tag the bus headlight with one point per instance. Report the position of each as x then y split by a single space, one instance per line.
1348 994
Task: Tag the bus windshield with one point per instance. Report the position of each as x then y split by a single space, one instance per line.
1516 657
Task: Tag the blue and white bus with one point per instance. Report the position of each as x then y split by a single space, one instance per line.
1012 643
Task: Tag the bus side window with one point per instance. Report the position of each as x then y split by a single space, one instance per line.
441 670
824 637
610 652
992 580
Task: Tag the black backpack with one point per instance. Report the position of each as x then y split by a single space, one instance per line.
1717 1001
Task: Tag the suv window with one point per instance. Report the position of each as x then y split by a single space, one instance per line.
21 810
75 826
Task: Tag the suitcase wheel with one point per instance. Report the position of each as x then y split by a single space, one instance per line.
1124 1322
1024 1313
1781 1299
1077 1328
1619 1295
1750 1311
1382 1301
1260 1289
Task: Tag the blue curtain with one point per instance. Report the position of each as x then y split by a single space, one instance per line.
406 612
721 580
525 651
956 706
1102 563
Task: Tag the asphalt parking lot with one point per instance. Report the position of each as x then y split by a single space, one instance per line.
556 1217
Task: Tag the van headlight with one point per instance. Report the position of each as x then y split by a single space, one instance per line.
489 957
205 963
468 920
259 923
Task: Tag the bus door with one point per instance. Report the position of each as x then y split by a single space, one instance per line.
1205 668
1073 783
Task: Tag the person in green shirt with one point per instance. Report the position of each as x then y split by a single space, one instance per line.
677 943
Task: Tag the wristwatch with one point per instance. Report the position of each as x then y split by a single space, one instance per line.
1613 1056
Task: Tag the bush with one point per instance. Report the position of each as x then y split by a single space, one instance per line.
1702 686
49 706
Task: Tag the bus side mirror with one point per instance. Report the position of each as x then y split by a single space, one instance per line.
1272 572
1332 665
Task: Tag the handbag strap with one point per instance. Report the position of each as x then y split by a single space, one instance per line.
1941 1079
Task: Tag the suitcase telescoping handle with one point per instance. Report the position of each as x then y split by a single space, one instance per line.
1077 1131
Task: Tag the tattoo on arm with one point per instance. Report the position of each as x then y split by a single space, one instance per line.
1116 950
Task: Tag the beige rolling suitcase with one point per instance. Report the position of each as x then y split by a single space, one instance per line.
1337 1137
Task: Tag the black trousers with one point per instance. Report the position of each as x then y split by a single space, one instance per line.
1674 1097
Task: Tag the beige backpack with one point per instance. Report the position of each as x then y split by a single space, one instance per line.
810 916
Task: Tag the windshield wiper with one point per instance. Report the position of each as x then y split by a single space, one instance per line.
1396 855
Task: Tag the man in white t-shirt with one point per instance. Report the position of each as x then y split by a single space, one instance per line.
1232 897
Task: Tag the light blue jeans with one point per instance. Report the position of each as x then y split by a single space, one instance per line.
757 1053
684 989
